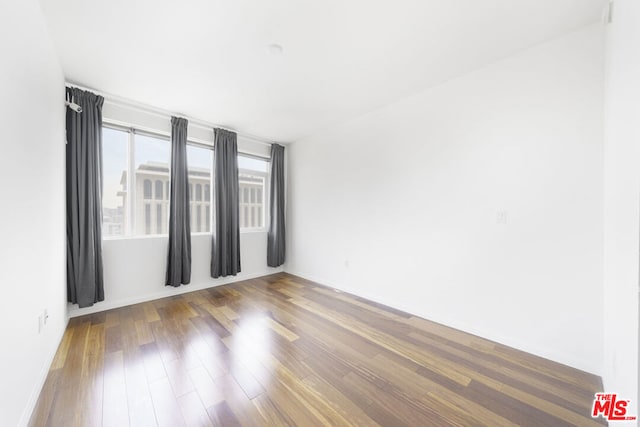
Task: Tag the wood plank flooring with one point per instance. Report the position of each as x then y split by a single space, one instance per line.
281 350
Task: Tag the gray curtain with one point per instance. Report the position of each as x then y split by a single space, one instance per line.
84 199
179 258
276 236
225 248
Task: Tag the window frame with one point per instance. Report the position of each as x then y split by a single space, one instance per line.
130 214
130 208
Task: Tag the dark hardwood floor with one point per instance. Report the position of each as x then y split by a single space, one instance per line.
281 350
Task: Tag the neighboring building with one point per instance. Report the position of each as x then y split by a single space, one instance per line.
152 201
252 199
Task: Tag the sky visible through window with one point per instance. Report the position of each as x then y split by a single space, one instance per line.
252 164
196 159
151 150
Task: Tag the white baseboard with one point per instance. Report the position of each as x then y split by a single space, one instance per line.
168 291
461 326
42 377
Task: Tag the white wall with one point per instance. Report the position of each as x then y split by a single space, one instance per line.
622 203
400 205
32 211
134 268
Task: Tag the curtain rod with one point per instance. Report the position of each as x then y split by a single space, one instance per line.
118 100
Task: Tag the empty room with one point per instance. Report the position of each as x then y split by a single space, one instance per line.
332 213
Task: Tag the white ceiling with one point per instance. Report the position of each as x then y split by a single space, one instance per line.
209 59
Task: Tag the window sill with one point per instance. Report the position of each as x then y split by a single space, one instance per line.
143 237
252 230
165 236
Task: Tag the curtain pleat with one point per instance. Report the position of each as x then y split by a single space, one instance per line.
84 199
276 236
225 248
179 257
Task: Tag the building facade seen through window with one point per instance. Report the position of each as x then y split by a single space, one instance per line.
149 214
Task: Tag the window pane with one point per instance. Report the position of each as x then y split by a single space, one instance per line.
253 185
159 188
151 163
114 174
200 161
147 189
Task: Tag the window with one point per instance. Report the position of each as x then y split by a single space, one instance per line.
137 186
136 206
253 174
159 188
115 145
147 189
200 161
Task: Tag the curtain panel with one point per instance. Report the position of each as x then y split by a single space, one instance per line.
179 256
225 248
84 199
276 236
